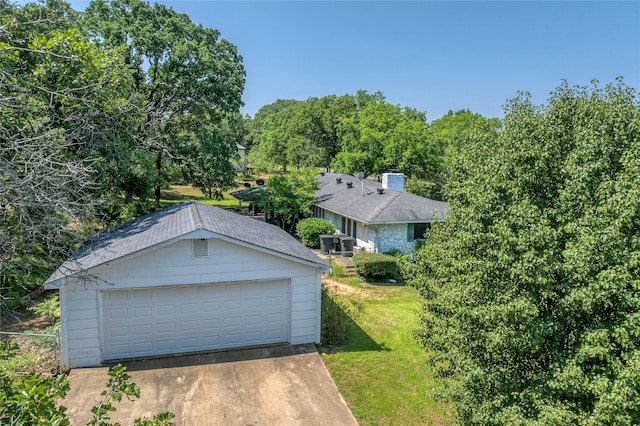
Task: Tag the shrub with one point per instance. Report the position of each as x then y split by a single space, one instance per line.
309 231
337 318
49 308
375 265
394 252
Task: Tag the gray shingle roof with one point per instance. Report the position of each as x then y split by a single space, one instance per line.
389 207
174 222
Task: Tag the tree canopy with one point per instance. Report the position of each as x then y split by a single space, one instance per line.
531 285
62 100
120 99
288 198
362 133
188 79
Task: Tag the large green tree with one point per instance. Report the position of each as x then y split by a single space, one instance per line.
61 99
291 133
382 136
289 198
271 131
455 126
447 135
531 286
188 78
314 140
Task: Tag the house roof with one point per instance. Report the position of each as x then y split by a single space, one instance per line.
252 194
363 203
178 221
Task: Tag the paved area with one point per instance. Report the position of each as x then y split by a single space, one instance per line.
278 385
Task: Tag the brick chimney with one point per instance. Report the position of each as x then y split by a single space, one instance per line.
393 181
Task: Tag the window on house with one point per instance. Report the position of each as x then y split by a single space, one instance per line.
416 231
349 227
318 212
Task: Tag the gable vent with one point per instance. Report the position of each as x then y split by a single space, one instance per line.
199 248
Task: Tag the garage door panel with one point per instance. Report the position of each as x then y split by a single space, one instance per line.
161 321
142 312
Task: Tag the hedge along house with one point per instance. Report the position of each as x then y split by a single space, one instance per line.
188 278
380 216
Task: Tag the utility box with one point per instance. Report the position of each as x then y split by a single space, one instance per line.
346 246
326 243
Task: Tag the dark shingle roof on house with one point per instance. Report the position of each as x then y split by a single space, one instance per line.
388 207
174 222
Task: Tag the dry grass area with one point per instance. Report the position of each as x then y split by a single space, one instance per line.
361 291
35 354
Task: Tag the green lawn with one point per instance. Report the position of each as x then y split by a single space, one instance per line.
181 193
381 372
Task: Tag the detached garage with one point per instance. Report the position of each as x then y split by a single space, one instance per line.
185 279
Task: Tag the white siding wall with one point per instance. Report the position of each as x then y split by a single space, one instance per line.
333 218
173 265
362 232
364 242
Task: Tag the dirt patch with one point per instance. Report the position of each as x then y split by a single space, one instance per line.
24 323
35 354
347 290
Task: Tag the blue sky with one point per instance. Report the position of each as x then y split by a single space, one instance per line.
432 56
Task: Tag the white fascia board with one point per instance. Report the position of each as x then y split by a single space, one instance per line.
362 221
401 222
323 267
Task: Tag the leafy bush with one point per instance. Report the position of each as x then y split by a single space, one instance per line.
30 399
337 318
309 231
375 265
419 244
117 212
394 252
49 307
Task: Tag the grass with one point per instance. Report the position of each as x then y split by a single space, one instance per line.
181 193
381 372
36 353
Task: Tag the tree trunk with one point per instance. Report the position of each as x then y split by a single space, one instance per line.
159 171
128 196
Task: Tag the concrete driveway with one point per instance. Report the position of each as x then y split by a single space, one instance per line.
277 385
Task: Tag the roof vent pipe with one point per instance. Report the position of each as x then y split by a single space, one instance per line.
380 191
338 180
349 184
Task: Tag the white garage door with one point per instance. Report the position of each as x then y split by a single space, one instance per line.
168 320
